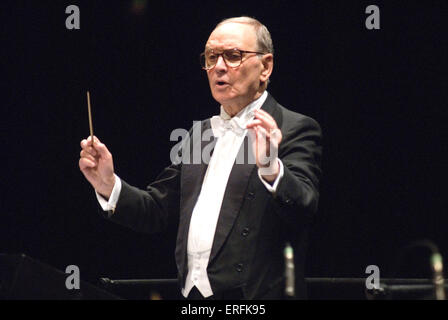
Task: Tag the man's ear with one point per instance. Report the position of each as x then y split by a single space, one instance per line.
268 65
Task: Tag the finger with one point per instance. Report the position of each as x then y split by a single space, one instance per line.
89 139
88 148
266 122
271 134
253 123
95 141
262 138
262 147
268 147
276 134
97 146
102 149
265 114
252 134
85 163
261 134
266 140
85 154
87 142
264 133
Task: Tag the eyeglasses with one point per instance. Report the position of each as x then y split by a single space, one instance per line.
232 58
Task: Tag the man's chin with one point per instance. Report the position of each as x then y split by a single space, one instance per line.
222 99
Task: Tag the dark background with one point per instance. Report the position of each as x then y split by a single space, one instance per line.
380 97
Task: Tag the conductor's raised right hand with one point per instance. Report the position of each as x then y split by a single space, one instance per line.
97 166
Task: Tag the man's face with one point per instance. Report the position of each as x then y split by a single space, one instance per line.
236 87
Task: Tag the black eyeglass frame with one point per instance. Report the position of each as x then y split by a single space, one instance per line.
222 54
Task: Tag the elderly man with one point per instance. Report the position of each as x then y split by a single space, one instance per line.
234 218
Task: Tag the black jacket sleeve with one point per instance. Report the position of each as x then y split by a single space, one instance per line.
153 209
300 152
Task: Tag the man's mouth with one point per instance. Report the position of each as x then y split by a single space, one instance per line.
221 84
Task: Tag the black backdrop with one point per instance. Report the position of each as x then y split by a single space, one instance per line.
380 97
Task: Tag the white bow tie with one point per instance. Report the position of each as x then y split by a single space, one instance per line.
220 126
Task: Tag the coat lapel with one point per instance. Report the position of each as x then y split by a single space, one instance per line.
232 200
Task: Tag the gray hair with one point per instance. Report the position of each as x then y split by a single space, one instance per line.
264 40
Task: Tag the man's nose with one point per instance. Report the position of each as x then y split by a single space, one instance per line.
220 64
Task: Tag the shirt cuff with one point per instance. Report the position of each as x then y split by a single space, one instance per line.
273 188
110 205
